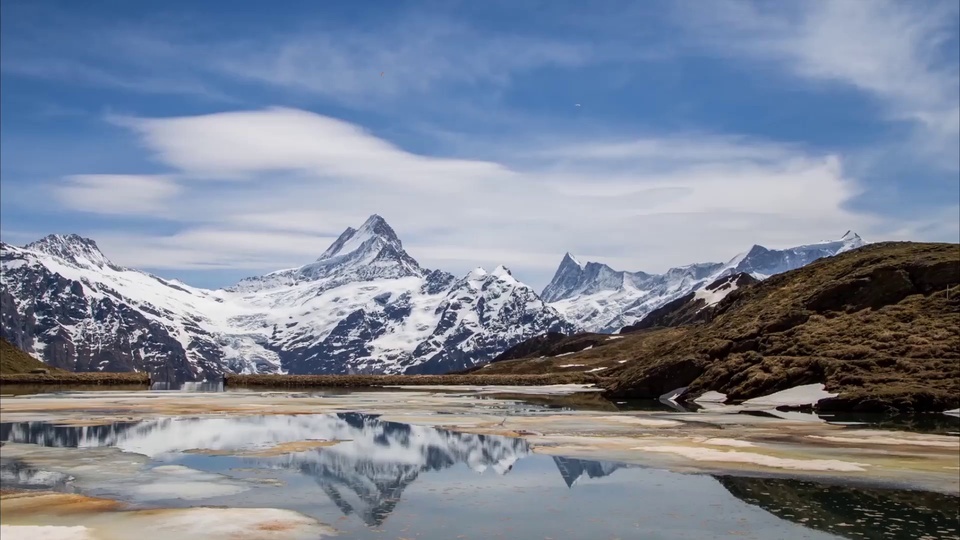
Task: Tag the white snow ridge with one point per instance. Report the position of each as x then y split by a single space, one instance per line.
597 298
364 306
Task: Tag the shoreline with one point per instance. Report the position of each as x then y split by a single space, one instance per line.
74 378
361 381
306 381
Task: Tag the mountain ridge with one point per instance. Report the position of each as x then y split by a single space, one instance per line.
877 326
599 299
363 306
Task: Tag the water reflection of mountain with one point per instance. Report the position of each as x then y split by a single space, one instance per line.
189 386
852 512
45 434
572 469
365 474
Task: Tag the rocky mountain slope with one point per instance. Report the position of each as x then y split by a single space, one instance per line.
364 306
877 325
598 298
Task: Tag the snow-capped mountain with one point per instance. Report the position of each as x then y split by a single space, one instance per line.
598 298
364 306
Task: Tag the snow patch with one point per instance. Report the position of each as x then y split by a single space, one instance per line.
714 296
673 394
807 394
44 532
711 397
734 456
646 422
944 442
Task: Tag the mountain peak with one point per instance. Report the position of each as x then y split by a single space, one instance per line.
568 276
851 240
374 230
568 258
71 248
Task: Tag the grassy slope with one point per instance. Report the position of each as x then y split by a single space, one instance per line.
14 360
880 325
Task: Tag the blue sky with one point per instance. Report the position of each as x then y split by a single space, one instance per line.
212 140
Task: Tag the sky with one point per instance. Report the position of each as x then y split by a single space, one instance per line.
209 141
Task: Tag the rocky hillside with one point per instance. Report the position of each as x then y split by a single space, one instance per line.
879 325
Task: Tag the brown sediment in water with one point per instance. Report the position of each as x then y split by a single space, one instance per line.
27 502
278 450
22 511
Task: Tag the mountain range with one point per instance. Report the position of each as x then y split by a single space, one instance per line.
597 298
364 306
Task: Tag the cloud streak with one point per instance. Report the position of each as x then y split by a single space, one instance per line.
896 52
121 194
291 173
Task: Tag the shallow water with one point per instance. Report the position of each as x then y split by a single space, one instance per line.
392 480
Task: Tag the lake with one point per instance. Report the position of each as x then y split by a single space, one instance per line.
369 477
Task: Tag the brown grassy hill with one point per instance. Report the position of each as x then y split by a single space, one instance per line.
880 325
14 360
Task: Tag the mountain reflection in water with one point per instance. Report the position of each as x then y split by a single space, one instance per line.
364 474
851 512
514 493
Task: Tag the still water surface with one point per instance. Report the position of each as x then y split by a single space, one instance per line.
394 480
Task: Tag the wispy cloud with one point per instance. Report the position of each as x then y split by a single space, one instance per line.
709 199
412 57
902 54
121 194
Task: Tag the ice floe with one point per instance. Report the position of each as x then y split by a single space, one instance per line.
807 394
734 456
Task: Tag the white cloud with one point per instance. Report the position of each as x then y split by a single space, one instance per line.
224 146
415 55
117 193
213 249
897 52
691 198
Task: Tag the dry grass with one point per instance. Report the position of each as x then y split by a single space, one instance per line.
65 378
14 360
361 381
